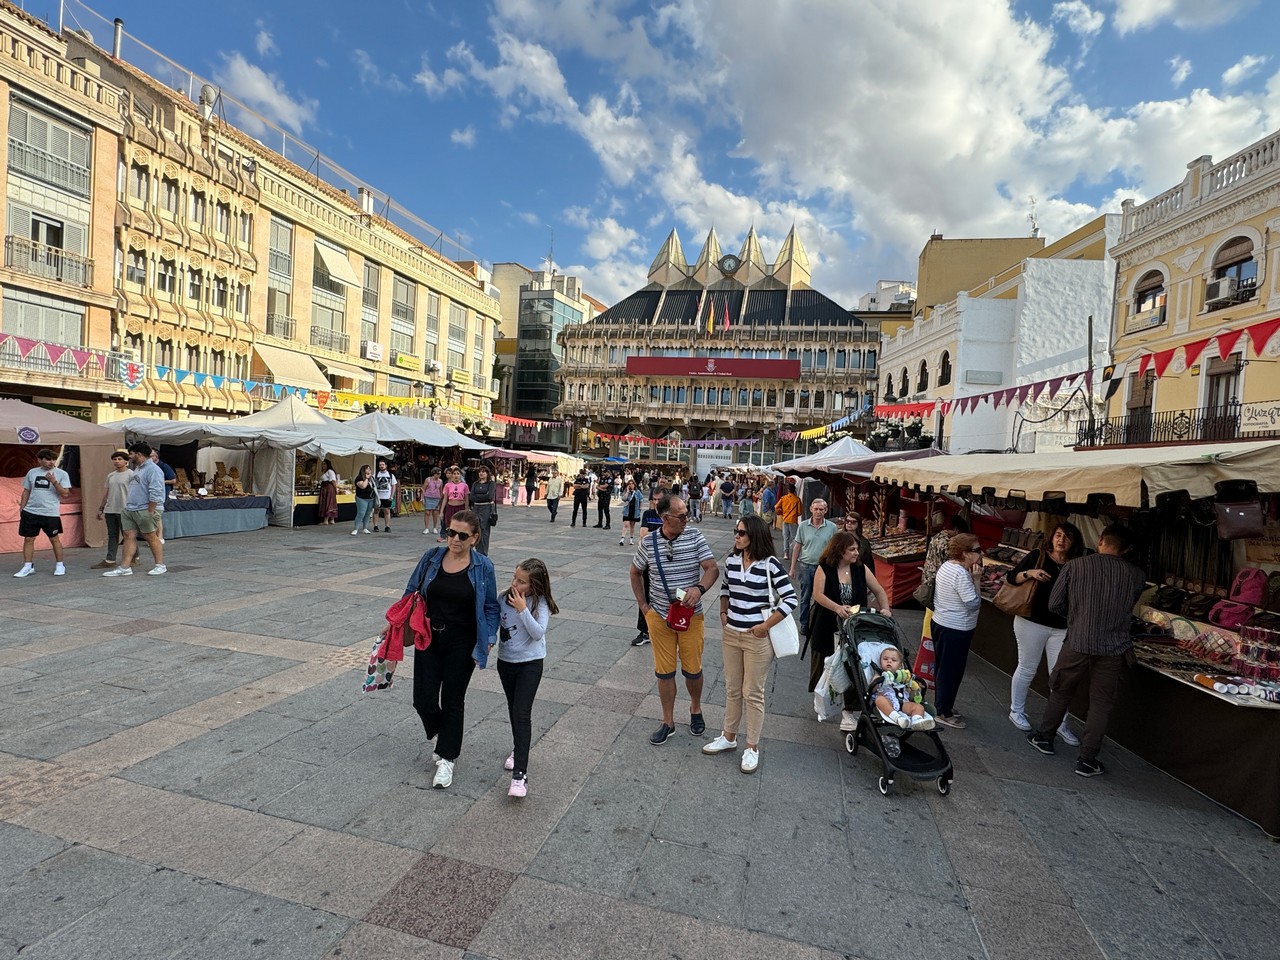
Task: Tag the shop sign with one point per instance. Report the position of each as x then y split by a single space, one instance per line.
1263 416
371 350
460 376
1266 548
406 361
78 410
713 367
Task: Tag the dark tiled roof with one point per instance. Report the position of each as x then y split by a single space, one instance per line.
639 306
680 306
811 308
808 308
766 306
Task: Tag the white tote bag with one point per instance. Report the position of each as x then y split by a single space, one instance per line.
784 635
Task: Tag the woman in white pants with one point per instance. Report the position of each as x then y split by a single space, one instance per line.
1043 632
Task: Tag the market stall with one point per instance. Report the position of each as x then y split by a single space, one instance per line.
1204 702
201 516
85 454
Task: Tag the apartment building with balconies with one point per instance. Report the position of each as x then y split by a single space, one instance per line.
1197 341
63 123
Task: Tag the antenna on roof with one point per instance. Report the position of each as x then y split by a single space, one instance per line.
1031 217
551 256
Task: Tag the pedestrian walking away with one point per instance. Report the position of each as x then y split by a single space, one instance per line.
555 490
144 495
462 604
115 490
530 485
812 538
366 500
675 560
484 504
789 510
1097 594
44 488
527 608
746 614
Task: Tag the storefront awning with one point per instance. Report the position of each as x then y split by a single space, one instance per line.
1121 472
292 369
337 266
354 374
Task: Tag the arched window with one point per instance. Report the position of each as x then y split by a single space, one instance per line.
726 396
842 359
906 383
789 399
771 398
804 399
821 361
742 396
922 379
1149 293
888 387
819 399
608 393
944 369
1235 274
681 394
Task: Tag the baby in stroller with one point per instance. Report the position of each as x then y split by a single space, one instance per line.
898 695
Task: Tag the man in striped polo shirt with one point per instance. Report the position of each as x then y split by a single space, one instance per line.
687 564
1097 594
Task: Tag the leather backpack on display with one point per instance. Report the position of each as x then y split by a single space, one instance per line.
1230 616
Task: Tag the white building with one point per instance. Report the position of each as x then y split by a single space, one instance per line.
889 295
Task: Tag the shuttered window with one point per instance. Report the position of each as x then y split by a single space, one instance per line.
48 150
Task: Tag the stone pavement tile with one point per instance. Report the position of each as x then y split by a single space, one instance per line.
131 627
1066 830
266 928
590 729
321 698
106 813
462 896
612 699
30 783
1015 928
337 735
211 840
24 848
1001 858
1149 926
599 652
140 920
716 819
364 941
59 890
329 871
338 792
499 831
1144 819
574 672
1186 875
543 921
411 816
131 746
187 764
634 671
254 781
264 693
689 879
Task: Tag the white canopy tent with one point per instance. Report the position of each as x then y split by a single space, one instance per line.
396 429
844 450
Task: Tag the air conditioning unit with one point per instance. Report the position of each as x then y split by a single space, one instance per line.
1216 291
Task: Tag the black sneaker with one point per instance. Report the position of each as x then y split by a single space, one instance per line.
661 734
375 529
697 726
1089 768
1041 742
641 639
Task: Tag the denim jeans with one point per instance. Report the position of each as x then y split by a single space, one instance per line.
804 584
364 509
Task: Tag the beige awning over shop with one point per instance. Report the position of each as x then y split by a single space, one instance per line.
292 369
337 266
351 373
1121 471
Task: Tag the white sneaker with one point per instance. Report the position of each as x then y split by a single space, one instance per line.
1068 735
510 762
750 760
1020 721
158 570
26 571
59 570
119 572
367 530
355 533
922 721
426 530
848 721
444 774
720 744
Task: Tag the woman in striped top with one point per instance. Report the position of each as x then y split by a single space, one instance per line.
746 614
955 617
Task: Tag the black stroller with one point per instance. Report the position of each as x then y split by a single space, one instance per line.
905 751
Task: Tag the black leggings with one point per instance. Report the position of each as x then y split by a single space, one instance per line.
520 683
951 651
441 674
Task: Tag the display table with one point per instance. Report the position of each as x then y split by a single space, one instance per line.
899 561
201 516
1227 751
306 508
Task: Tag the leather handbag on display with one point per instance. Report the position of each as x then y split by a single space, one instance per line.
1230 616
1170 600
1198 607
1249 586
1239 521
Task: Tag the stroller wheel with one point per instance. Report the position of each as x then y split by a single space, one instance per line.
944 786
851 742
884 786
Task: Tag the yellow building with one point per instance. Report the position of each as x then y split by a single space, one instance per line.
1196 334
948 267
59 185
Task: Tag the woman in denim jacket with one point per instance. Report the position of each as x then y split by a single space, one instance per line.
461 591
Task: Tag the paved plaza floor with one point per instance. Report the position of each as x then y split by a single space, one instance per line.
189 769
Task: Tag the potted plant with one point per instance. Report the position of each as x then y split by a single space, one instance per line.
913 427
925 440
894 431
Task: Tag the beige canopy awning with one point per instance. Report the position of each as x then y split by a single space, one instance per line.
342 370
337 265
1120 472
293 369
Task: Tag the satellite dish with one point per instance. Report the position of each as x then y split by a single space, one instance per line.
208 93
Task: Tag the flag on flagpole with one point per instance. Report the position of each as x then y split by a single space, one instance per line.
726 314
711 314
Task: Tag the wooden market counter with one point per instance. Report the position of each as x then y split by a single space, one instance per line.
202 516
900 578
1227 750
306 508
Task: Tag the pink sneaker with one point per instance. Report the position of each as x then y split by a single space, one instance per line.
510 762
519 787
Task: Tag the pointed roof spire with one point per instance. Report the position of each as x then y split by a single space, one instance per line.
669 265
710 251
792 265
751 250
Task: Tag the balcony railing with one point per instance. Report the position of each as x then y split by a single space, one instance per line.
278 325
99 366
52 263
323 281
280 262
34 162
329 339
369 298
1173 426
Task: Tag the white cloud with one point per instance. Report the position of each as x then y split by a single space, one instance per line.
263 42
1080 18
371 74
1242 70
434 84
265 93
465 137
1181 70
607 238
529 217
1141 14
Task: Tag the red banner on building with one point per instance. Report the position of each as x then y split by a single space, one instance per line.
713 367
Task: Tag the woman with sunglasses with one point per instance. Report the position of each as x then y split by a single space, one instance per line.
852 523
461 591
746 614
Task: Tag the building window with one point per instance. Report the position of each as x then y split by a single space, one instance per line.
697 394
199 208
1235 274
1223 385
944 369
218 363
726 396
220 292
871 359
433 312
789 399
139 183
922 378
888 387
222 219
804 399
821 360
841 359
166 276
819 399
372 284
457 323
195 285
246 229
403 298
1149 294
397 387
457 360
46 150
135 270
742 396
771 398
169 194
806 359
242 298
280 254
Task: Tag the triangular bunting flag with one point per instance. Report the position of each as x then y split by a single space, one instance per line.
1023 392
1260 333
302 393
1191 351
162 372
322 398
1143 364
1227 343
1162 361
946 407
291 391
1112 379
277 389
55 352
180 375
250 386
81 359
199 379
5 338
217 382
25 346
1054 384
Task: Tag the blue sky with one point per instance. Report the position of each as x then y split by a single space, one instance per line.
866 123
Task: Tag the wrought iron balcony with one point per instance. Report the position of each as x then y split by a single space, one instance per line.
51 263
323 281
1142 427
42 165
96 365
329 339
279 325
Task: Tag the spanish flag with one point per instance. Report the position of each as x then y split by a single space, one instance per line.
711 313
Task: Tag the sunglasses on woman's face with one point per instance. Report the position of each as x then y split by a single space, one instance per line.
739 533
462 535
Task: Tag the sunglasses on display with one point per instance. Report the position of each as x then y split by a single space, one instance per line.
462 535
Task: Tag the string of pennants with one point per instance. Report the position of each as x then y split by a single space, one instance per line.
718 444
55 352
218 382
535 424
1160 361
633 438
